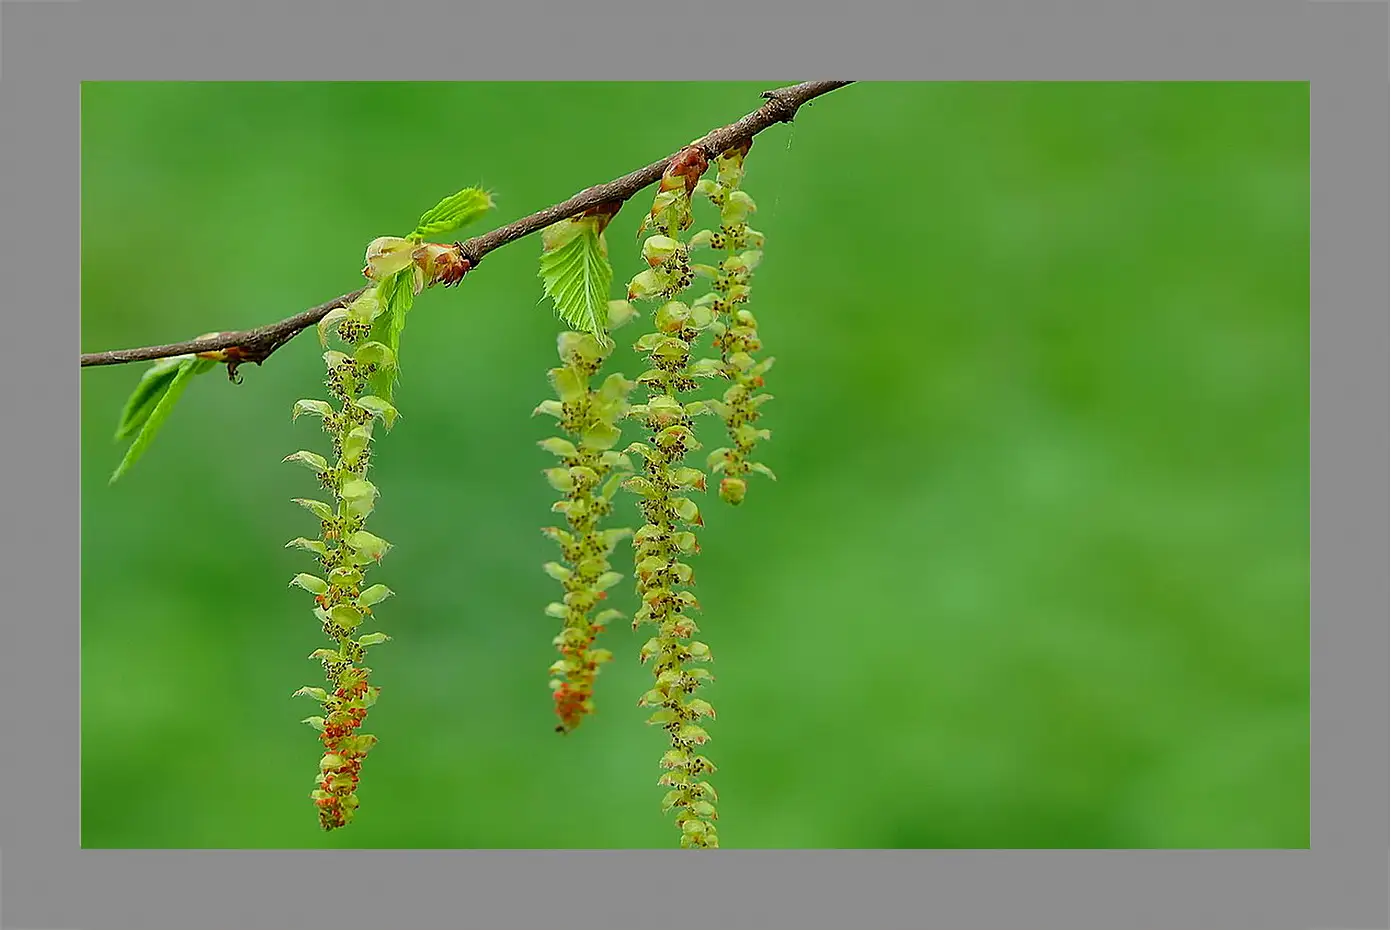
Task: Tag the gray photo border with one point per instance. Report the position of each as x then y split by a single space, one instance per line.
46 48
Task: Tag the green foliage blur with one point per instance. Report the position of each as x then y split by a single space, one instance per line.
1035 573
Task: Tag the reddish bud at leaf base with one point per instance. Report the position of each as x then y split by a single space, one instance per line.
687 166
605 212
430 262
441 264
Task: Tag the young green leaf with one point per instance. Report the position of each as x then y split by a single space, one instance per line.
153 383
453 212
398 295
154 419
577 275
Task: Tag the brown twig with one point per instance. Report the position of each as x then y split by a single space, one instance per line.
256 345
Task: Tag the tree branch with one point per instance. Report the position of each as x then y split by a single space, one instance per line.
256 345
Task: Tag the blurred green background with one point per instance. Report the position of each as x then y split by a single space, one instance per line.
1035 573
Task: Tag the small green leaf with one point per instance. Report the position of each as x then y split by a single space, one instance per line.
374 595
692 734
677 779
552 408
706 368
355 489
333 359
643 486
372 639
621 313
318 694
611 486
369 546
700 708
149 414
703 809
686 510
375 353
378 408
355 443
560 479
569 384
312 545
366 308
675 759
361 506
330 319
453 212
315 722
576 274
649 649
600 437
146 396
359 744
310 460
346 616
558 446
318 408
398 295
686 477
344 577
311 583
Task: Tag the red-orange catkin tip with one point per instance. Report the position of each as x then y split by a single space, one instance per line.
569 706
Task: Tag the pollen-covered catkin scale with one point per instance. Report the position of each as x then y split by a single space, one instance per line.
664 489
735 329
587 477
346 551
